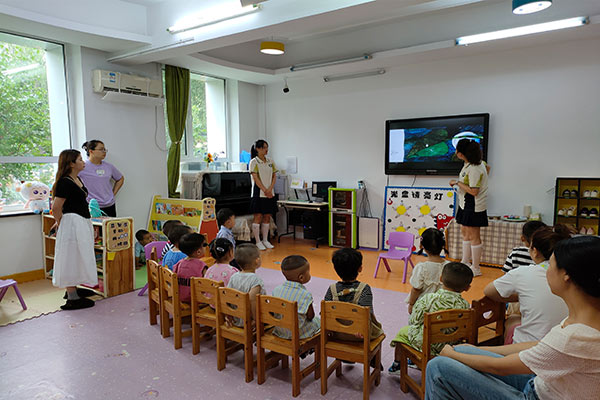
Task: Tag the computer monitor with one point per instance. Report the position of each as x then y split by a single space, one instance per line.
321 189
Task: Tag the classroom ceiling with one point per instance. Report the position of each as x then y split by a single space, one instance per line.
392 31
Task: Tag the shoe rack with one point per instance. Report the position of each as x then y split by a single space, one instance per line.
577 204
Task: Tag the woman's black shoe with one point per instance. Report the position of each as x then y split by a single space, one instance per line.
81 292
77 304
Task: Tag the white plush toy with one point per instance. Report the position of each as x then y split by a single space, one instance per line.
36 194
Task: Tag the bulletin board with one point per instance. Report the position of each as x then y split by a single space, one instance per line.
163 209
118 235
414 209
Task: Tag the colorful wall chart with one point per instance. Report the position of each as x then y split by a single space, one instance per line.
414 209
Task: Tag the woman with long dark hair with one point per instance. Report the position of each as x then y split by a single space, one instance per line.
564 364
74 260
263 203
102 179
472 185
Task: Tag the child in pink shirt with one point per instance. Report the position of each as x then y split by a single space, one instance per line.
192 245
222 251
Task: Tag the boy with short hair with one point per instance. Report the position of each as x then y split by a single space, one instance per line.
347 263
226 221
456 278
174 255
166 229
296 270
519 256
143 238
247 281
192 245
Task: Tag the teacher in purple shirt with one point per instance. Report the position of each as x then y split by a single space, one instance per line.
102 179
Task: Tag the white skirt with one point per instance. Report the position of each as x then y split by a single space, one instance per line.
74 259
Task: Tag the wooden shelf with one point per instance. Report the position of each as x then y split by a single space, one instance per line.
116 272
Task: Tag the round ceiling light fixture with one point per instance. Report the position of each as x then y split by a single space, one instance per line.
272 48
530 6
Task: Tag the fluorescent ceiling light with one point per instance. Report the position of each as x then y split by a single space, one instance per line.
318 64
332 78
530 6
523 30
212 16
20 69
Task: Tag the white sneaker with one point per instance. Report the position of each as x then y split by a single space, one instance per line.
476 271
587 193
583 231
267 244
261 246
594 193
590 231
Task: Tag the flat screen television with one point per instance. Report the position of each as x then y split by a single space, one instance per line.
427 146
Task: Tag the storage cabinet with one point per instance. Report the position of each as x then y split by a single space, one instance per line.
113 248
342 217
577 204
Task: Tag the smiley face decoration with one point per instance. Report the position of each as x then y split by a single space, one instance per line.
413 209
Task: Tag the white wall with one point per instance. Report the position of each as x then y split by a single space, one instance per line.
545 119
21 238
134 135
251 104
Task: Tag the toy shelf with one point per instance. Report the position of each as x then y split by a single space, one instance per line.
114 252
582 224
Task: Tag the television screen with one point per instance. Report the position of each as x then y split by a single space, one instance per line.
422 146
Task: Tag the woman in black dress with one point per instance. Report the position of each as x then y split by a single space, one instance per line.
74 260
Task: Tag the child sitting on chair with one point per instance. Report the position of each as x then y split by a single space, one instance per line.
222 251
166 229
456 278
519 256
226 221
143 238
296 270
425 277
192 245
247 281
174 255
347 263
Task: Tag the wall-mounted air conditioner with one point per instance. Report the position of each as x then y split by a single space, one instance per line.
109 81
119 87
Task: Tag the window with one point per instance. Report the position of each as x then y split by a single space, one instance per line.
205 130
34 121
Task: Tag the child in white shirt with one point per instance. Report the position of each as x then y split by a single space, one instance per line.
426 275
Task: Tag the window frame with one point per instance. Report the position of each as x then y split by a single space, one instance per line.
17 209
187 153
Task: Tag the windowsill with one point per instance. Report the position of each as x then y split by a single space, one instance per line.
16 213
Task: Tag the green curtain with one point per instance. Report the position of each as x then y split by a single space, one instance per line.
177 88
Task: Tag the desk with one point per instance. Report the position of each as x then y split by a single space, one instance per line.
499 238
311 216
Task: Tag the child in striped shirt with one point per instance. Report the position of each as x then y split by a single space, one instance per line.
519 256
296 270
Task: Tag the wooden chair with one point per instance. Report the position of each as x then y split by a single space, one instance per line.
275 311
488 311
350 319
204 317
170 305
152 269
436 328
233 303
